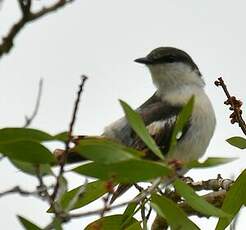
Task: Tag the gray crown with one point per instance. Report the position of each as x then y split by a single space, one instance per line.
167 55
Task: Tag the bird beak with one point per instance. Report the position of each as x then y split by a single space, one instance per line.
144 60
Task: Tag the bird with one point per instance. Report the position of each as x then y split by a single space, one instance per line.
176 78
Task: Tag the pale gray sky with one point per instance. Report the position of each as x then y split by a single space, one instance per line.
101 39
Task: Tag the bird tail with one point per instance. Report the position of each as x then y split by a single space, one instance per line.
122 188
74 157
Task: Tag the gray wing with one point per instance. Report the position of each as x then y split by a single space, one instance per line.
159 118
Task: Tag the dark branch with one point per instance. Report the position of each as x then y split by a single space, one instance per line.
35 111
216 198
70 137
211 184
27 16
235 105
18 190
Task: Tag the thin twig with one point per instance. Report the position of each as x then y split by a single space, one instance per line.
27 16
235 105
137 199
43 188
143 216
70 137
36 108
45 194
149 190
99 211
138 187
105 204
149 213
19 190
215 198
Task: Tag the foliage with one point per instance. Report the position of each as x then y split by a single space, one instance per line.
112 163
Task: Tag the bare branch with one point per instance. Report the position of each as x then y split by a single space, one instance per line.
25 6
235 105
70 136
43 187
137 199
22 192
211 184
216 198
27 16
36 108
46 10
99 211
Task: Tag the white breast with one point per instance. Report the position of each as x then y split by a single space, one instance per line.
195 142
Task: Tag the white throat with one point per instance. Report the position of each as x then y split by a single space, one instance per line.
171 77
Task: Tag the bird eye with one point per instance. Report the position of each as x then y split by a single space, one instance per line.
170 59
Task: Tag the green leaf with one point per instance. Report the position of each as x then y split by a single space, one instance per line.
138 126
233 201
63 136
198 203
134 226
57 224
104 151
181 122
126 171
18 134
128 213
112 222
31 169
174 215
209 162
27 151
238 142
92 191
27 224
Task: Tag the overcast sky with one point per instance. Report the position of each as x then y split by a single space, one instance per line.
101 39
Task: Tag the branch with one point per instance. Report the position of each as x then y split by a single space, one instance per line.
219 186
70 136
36 108
137 199
27 16
211 184
23 192
215 198
235 105
44 188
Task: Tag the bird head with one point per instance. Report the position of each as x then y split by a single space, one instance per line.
171 67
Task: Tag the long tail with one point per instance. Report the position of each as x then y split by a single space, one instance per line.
122 188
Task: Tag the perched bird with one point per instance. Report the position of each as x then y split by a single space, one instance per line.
176 78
